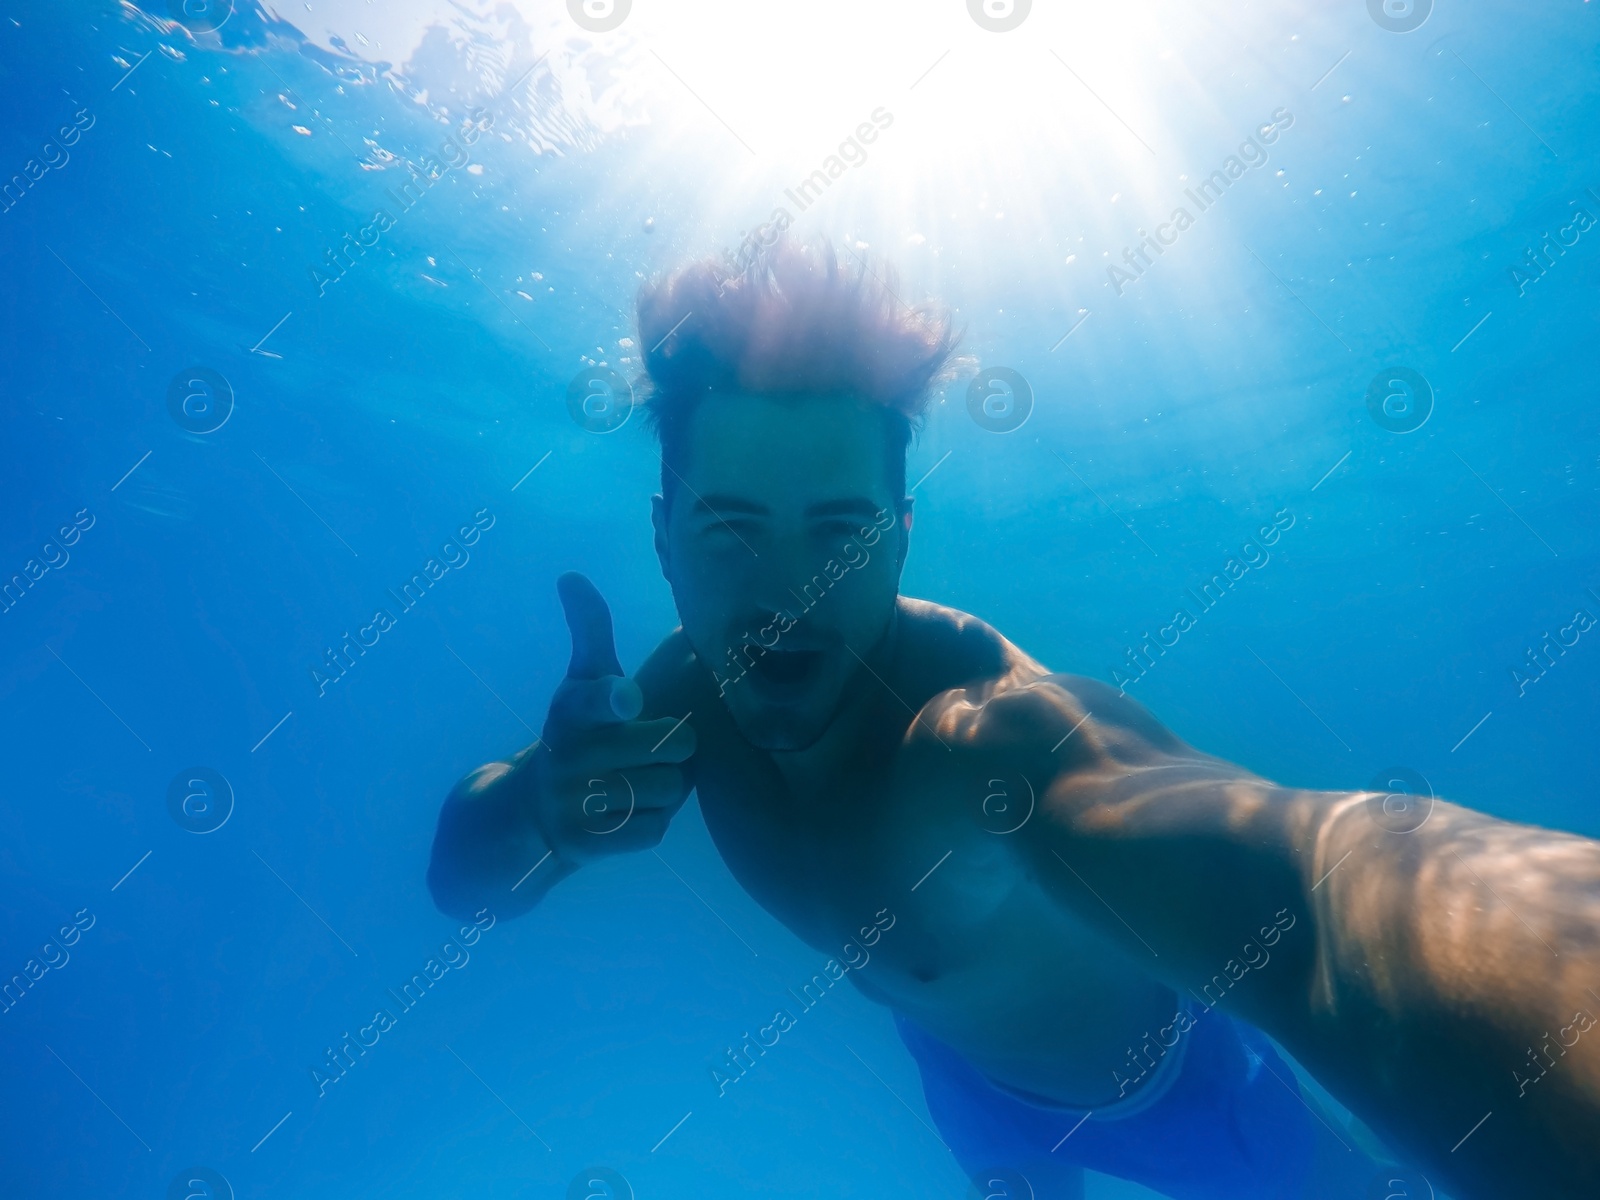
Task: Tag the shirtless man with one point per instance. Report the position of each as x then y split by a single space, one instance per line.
1093 922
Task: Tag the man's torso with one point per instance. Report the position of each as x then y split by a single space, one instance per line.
908 804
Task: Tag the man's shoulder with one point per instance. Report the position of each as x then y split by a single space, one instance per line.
1007 702
1111 724
944 646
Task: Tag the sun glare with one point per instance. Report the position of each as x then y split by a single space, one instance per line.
785 88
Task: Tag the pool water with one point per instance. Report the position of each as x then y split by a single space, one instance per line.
1281 317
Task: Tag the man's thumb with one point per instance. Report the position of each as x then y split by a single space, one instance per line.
594 649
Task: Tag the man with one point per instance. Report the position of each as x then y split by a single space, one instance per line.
1093 923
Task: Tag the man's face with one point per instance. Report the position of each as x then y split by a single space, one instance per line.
782 534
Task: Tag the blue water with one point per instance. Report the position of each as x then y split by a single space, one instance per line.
181 588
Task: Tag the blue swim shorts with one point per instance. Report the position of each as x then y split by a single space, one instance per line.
1218 1117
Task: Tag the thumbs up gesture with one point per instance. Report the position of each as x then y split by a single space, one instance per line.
605 781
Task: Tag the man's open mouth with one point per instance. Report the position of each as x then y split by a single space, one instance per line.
785 672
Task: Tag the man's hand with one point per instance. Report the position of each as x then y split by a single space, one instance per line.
604 781
598 782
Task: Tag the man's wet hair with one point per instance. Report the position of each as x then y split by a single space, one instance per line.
793 321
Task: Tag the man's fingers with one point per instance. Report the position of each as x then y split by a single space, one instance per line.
581 703
624 744
654 788
643 831
594 649
601 809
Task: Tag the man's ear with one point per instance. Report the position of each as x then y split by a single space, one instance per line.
658 521
903 530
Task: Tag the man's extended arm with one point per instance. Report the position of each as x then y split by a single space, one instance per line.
1442 982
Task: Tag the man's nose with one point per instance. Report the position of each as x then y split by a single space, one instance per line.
784 570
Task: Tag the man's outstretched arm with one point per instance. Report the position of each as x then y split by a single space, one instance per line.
1439 975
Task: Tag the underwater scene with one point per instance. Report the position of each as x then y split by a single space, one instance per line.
396 387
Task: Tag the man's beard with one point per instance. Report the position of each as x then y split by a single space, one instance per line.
772 726
754 698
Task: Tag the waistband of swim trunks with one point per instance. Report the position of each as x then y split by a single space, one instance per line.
1156 1085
